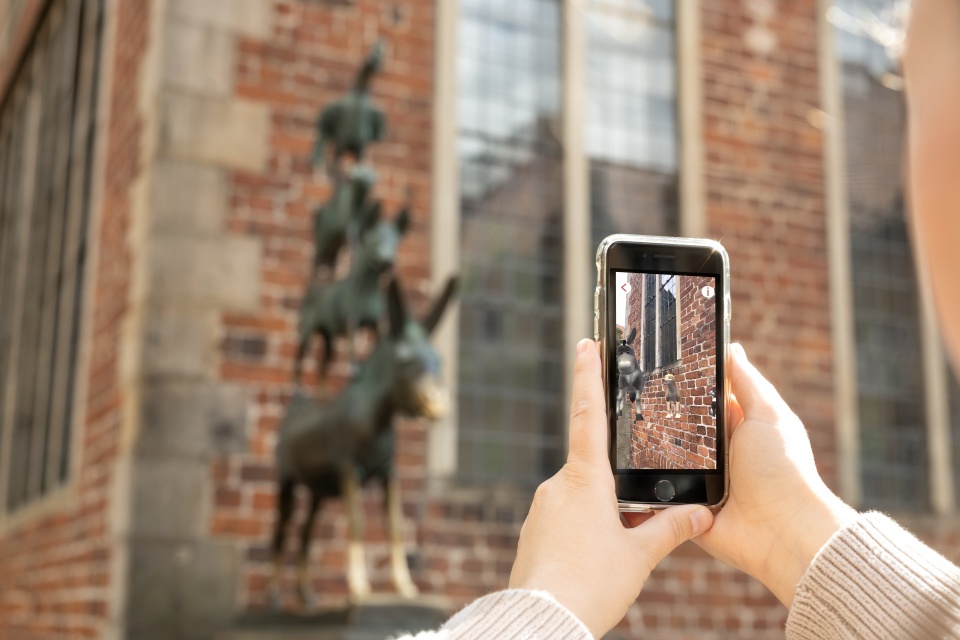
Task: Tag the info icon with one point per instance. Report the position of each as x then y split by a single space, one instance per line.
708 292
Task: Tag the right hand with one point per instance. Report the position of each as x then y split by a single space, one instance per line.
779 512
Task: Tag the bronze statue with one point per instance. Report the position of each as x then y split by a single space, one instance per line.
631 380
356 302
353 121
334 449
341 216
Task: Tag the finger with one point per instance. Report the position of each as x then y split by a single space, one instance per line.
734 414
756 396
634 519
588 415
670 528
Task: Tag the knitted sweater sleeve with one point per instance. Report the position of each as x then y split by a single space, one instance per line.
873 579
508 615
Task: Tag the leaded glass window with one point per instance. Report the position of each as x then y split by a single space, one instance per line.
632 137
511 354
893 444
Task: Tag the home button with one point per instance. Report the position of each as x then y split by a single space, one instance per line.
664 490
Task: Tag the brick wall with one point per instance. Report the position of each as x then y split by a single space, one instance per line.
690 441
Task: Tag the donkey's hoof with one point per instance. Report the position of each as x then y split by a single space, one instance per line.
639 418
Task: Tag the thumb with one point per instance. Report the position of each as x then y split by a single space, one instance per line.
757 397
670 528
588 413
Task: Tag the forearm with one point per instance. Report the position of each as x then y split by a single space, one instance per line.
932 72
508 615
873 579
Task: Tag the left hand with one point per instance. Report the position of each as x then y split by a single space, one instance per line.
573 543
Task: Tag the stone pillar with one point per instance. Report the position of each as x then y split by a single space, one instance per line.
179 582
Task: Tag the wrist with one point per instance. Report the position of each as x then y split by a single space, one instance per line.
799 543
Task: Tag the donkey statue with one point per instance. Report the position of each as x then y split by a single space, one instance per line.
352 122
334 449
356 302
336 220
631 380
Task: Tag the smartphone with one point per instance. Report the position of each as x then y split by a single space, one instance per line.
662 318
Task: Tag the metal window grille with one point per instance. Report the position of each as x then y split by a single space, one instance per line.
47 128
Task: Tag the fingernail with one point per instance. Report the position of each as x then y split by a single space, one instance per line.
700 521
736 350
583 344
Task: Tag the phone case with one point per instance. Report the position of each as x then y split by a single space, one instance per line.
600 320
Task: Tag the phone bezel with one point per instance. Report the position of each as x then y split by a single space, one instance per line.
680 256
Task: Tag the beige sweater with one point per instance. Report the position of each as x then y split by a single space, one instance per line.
872 579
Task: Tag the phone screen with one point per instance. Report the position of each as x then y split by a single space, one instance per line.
665 371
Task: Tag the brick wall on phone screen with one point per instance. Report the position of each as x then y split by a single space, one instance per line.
688 442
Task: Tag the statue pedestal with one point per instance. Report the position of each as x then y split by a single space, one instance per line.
375 618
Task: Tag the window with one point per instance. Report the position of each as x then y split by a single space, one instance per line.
511 313
632 136
893 409
46 149
659 339
510 83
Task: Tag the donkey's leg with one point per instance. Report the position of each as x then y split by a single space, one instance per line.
357 581
393 504
323 359
303 571
298 362
284 511
620 403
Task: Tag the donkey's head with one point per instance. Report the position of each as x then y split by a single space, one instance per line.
626 358
380 239
416 388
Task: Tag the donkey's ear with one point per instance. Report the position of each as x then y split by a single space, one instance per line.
631 336
396 310
432 319
403 220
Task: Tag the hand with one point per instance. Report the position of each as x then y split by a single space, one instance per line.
779 512
573 543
